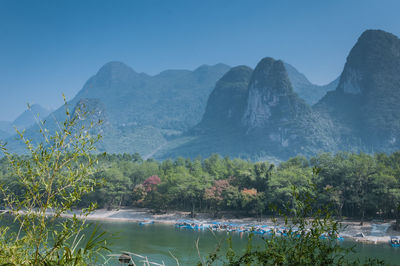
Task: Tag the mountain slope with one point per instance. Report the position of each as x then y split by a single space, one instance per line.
366 103
277 120
25 120
269 120
3 134
173 99
7 127
226 104
258 114
306 90
141 111
29 117
220 128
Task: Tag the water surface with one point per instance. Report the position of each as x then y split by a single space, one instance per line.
156 240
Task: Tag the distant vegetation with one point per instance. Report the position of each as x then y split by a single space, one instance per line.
306 241
353 185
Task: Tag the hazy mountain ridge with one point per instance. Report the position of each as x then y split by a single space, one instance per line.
25 120
366 103
3 134
270 119
7 128
306 90
173 99
31 116
263 113
361 114
141 111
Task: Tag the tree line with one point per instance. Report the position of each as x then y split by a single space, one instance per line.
353 185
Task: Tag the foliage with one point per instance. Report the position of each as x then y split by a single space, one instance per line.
43 187
151 183
359 186
310 239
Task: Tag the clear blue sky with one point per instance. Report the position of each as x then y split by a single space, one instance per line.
50 47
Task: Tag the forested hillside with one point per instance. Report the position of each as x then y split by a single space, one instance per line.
140 112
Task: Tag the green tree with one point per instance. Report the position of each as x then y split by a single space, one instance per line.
116 189
364 170
282 181
52 179
311 239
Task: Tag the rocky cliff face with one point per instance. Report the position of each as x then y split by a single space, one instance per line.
267 93
256 114
277 119
372 65
91 110
366 104
228 100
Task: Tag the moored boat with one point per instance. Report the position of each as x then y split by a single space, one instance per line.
146 222
394 241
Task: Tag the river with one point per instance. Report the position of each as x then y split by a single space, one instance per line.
157 240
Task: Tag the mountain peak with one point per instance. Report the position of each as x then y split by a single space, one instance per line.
115 70
376 34
29 117
114 65
237 74
271 75
228 100
206 67
366 101
112 76
374 57
204 71
268 86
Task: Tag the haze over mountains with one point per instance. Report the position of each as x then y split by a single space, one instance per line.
257 114
365 107
272 111
141 112
361 114
23 121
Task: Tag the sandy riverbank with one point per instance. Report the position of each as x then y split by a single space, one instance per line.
371 232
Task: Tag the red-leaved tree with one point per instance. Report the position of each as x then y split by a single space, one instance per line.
151 183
